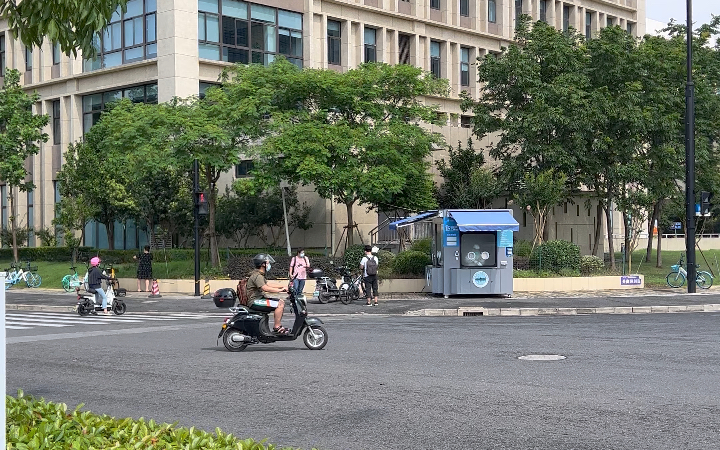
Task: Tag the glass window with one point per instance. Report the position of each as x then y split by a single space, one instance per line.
150 6
2 55
566 18
464 66
234 8
57 132
588 25
435 4
289 19
208 5
262 13
94 104
28 58
290 43
518 9
370 47
334 41
56 53
630 27
209 51
134 8
492 11
543 10
610 21
435 59
478 249
404 48
465 8
244 168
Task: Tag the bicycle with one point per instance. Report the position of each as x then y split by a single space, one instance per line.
676 278
29 276
71 281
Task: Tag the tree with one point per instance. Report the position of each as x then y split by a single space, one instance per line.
355 136
538 193
73 24
20 136
466 183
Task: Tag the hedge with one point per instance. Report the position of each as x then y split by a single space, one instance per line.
35 423
556 256
411 263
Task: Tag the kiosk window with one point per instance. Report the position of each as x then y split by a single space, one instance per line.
478 249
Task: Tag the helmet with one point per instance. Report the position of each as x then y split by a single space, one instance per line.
95 261
261 258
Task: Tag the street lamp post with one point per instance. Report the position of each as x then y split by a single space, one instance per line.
690 160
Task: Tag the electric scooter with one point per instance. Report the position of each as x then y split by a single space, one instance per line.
250 325
89 303
326 288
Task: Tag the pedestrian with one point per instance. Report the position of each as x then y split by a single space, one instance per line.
298 269
369 265
144 271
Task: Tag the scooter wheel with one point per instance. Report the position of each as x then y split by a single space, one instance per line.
228 342
346 298
83 310
315 337
323 297
119 308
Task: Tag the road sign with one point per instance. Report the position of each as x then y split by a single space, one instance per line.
676 226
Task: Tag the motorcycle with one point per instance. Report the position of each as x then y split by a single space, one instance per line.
326 288
89 303
250 326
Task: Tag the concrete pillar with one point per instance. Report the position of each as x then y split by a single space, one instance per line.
177 47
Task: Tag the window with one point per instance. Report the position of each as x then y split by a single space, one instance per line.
465 8
466 121
492 10
588 25
30 219
435 4
56 54
404 48
204 87
543 10
129 37
478 249
240 32
518 9
435 59
566 18
630 26
94 104
2 55
610 21
57 132
464 66
334 41
28 58
244 169
370 45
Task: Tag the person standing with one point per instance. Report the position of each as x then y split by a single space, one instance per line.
369 265
144 271
298 269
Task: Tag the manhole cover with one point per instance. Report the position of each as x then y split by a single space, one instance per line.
541 357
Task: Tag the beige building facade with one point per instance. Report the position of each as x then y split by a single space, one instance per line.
160 49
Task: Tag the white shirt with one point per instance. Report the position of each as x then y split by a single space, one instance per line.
364 261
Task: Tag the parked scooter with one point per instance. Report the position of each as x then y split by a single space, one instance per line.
89 303
250 325
326 288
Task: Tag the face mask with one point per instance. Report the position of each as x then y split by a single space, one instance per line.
302 254
267 269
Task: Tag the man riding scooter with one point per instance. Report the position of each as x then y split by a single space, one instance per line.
257 286
95 277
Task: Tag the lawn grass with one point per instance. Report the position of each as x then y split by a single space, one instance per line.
655 276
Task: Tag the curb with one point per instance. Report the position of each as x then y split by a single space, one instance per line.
46 308
526 312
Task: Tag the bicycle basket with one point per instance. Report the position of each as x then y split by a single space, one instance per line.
675 268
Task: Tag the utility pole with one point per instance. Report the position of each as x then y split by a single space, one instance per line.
196 217
690 160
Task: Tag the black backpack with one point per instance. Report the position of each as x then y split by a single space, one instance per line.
371 266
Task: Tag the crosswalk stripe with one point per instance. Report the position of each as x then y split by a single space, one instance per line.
51 325
11 327
72 318
44 320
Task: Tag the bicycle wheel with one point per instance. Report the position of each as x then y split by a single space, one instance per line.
8 284
704 280
66 283
675 279
33 280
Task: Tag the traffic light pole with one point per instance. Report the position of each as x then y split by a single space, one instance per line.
690 160
196 217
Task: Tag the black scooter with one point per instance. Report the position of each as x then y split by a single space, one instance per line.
251 325
326 288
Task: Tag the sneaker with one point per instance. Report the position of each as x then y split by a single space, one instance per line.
368 304
376 304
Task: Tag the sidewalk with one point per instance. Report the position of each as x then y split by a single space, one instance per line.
639 301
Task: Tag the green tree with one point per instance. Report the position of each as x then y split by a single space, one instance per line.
466 183
20 136
538 193
355 136
73 24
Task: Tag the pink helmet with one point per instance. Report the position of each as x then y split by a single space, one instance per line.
95 261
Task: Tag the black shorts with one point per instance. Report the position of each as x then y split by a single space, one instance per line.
371 286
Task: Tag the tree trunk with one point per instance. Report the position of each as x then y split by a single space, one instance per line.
651 227
626 240
350 225
212 207
110 227
546 228
598 229
611 247
13 225
151 225
658 262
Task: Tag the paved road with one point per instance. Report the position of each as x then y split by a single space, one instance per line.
391 382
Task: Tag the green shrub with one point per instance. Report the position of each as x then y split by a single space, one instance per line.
556 255
590 264
422 245
353 255
35 423
522 249
569 273
411 263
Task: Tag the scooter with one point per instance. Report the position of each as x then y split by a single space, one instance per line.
326 288
89 303
251 326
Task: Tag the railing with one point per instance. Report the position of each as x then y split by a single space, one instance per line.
383 234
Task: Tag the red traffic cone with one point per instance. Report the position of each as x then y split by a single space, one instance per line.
155 290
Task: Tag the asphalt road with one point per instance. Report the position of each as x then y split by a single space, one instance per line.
390 382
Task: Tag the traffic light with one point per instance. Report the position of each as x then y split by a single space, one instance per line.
202 204
705 197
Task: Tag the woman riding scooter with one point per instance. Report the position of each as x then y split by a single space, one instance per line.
95 277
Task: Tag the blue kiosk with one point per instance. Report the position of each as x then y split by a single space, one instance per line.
472 250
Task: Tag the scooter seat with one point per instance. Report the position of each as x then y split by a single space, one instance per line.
261 305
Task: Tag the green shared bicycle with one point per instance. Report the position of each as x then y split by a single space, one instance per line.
71 281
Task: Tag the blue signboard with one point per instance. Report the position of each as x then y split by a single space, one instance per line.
630 280
505 238
451 233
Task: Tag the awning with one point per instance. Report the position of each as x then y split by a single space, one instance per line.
410 220
484 220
